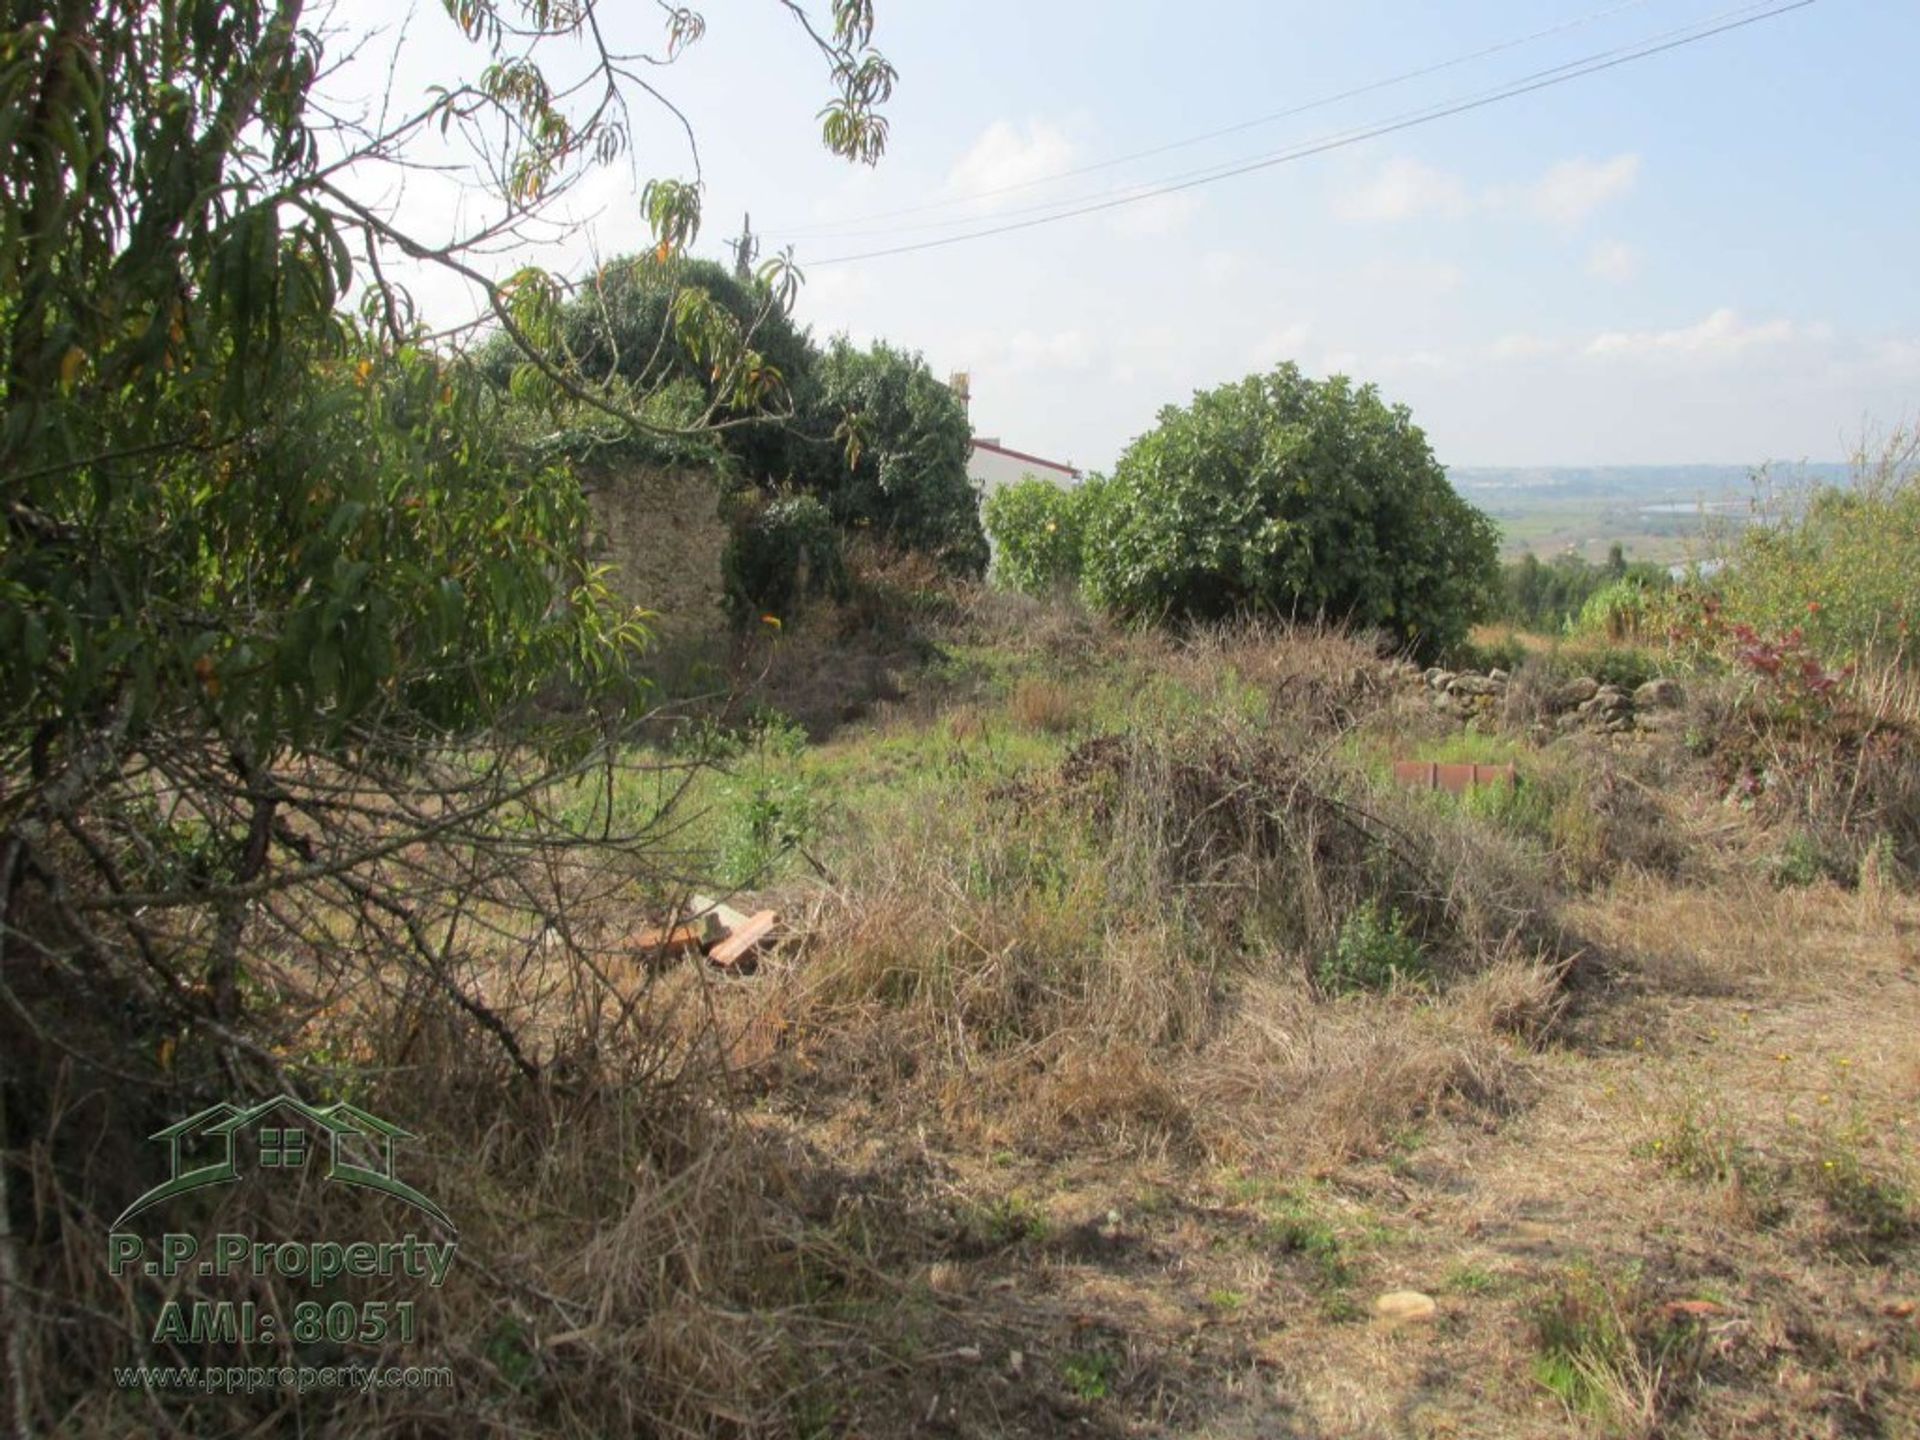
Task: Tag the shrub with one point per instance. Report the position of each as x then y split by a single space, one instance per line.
1373 950
782 551
694 326
1038 531
1286 495
1620 611
1842 565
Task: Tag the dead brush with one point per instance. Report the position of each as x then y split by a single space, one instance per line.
1316 679
1045 706
632 1258
1295 1082
1114 946
1840 763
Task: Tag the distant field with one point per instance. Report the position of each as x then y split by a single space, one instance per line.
1662 513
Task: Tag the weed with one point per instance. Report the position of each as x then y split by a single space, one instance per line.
1294 1229
769 807
1466 1278
1799 862
1877 1210
1226 1300
1605 1353
1704 1149
1374 950
1090 1373
1698 1149
1005 1221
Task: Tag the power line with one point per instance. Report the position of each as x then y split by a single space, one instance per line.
1206 171
830 229
1605 60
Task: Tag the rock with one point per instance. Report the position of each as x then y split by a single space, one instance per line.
1473 685
1499 675
1404 1307
1660 694
1574 693
1439 679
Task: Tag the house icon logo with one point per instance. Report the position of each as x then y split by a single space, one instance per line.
281 1134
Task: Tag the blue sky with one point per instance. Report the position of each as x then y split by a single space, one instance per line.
1707 255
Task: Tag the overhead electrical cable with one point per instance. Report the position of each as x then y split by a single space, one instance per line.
1146 188
1593 65
822 228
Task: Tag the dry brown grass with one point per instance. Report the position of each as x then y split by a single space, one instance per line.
1045 1120
1045 706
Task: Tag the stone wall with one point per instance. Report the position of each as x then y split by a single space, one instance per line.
660 529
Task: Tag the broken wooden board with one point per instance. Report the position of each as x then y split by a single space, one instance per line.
1452 778
671 942
743 941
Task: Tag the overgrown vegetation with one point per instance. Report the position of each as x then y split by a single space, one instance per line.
1128 1027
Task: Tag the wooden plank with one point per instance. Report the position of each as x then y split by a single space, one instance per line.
743 941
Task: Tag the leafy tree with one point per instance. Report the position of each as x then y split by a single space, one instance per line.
1549 597
692 324
1277 493
906 439
280 588
1039 530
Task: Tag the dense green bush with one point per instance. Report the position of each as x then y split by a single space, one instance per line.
1038 529
782 550
1840 565
902 440
1282 494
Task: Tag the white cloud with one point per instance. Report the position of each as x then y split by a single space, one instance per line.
1403 190
1432 361
1413 276
1613 260
1023 352
1572 190
1162 215
1721 334
1002 156
1282 344
1524 347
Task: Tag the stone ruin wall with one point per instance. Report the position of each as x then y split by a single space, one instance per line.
660 529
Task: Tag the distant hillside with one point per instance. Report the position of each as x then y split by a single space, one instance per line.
1658 512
